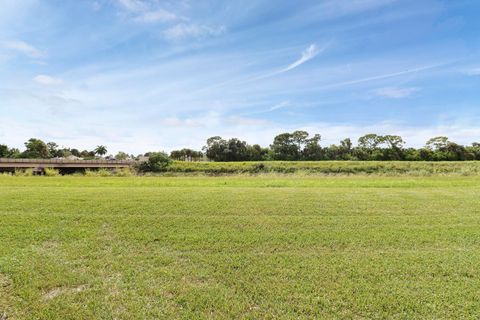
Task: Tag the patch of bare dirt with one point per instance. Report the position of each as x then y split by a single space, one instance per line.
55 292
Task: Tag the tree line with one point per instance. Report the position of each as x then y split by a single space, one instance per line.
295 146
38 149
300 146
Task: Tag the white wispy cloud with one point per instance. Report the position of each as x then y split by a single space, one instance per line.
146 12
96 6
132 5
182 123
47 80
275 107
211 119
159 15
472 72
308 54
280 105
333 9
336 8
395 93
261 110
24 48
382 76
183 31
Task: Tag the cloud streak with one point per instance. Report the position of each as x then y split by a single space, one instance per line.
186 31
275 107
281 105
47 80
24 48
159 15
382 77
144 12
395 93
308 54
132 5
473 72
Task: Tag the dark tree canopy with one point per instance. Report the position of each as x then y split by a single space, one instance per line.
299 145
4 151
218 149
101 150
186 155
157 162
36 148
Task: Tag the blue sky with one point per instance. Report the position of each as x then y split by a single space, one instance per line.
141 75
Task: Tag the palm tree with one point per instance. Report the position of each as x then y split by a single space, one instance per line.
100 150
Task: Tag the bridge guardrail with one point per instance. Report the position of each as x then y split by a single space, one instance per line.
65 161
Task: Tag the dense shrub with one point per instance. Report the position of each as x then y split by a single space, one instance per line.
157 162
51 172
102 172
124 172
24 172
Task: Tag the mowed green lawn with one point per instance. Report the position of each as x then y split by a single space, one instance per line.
239 247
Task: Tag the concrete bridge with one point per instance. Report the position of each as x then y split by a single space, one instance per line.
38 165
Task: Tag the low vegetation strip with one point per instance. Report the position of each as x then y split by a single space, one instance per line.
330 167
232 247
305 168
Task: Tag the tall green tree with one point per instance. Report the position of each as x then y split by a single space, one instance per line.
4 151
285 147
346 144
121 155
437 143
75 152
394 150
36 148
369 141
312 149
215 148
219 149
300 137
236 150
157 162
101 150
53 149
257 153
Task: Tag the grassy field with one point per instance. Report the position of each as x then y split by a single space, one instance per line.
239 247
